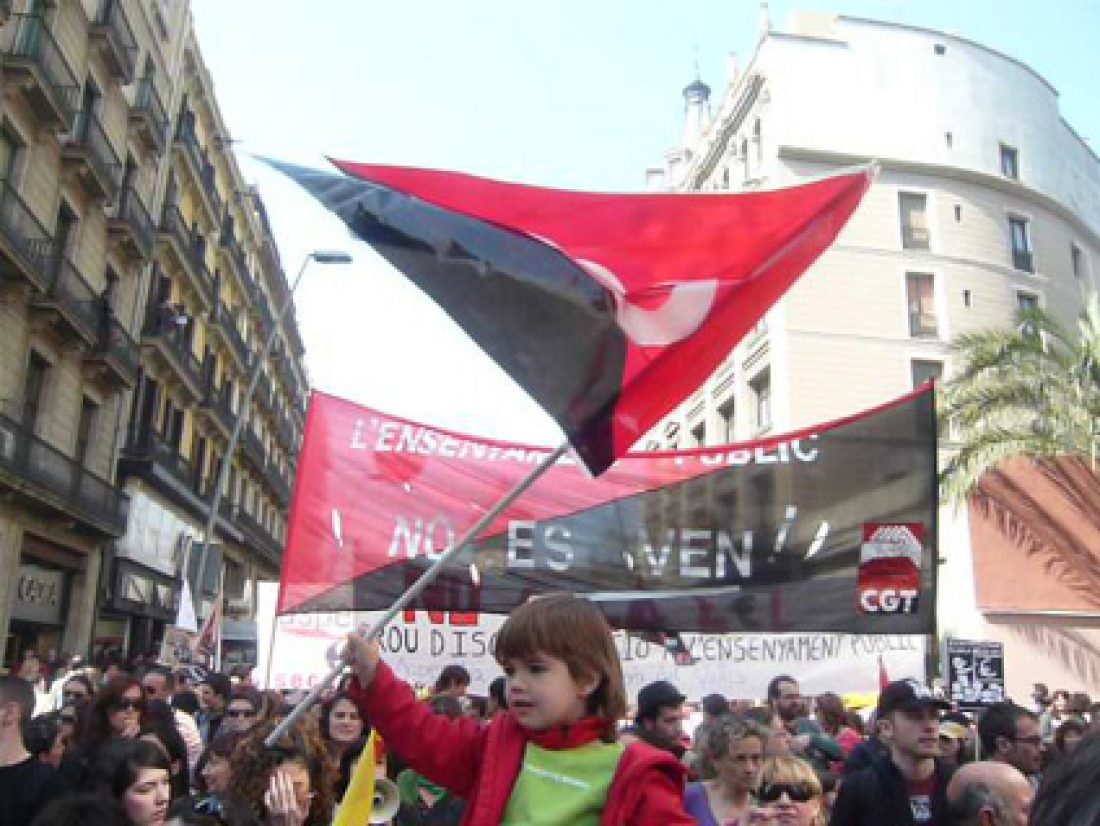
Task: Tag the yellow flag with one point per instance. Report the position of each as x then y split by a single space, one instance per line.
355 808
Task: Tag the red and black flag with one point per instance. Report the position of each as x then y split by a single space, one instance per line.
608 309
771 535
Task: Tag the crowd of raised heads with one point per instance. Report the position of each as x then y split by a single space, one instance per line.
554 740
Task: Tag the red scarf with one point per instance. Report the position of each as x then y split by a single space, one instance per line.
570 736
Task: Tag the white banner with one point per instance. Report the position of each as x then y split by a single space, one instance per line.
736 665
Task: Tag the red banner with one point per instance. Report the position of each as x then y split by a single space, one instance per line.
788 533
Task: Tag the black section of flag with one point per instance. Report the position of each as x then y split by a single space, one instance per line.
548 324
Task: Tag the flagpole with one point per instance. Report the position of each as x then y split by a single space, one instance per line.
415 589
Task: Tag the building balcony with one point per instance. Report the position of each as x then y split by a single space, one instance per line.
253 448
71 304
285 432
228 326
179 240
167 343
92 158
278 484
36 67
112 35
115 353
148 456
26 248
132 227
148 118
263 393
218 406
258 538
198 166
38 471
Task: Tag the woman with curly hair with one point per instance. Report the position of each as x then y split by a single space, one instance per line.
118 711
734 750
292 784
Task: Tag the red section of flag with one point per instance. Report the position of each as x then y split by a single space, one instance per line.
883 675
688 274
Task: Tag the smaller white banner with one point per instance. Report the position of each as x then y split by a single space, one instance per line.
737 665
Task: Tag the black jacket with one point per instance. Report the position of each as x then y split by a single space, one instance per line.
878 796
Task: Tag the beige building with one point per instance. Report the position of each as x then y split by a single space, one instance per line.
137 280
986 201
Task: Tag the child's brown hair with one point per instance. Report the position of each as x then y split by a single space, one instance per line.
572 630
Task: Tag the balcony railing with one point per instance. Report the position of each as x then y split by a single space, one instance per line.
131 217
54 93
236 343
112 29
259 536
149 116
41 470
280 486
185 137
162 329
253 447
147 447
26 242
116 350
173 225
208 184
91 145
73 300
221 407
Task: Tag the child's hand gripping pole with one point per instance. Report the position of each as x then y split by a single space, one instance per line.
414 591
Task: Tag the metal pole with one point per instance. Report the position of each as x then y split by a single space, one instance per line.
423 582
238 425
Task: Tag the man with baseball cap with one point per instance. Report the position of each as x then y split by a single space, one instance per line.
909 786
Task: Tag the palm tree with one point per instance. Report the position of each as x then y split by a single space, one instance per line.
1033 390
1030 396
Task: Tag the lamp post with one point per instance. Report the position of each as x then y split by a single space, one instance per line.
321 257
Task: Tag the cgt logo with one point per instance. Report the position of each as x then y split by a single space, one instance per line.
889 600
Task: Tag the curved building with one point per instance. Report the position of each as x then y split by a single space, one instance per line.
987 200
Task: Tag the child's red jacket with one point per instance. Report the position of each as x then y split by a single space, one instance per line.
481 763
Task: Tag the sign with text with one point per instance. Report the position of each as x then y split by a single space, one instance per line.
39 593
822 530
419 644
976 673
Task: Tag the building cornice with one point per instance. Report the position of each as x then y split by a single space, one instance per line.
1008 187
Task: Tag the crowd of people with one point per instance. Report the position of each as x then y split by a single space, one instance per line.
556 740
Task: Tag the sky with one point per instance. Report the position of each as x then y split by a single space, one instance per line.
579 94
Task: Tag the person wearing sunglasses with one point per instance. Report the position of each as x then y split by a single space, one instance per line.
244 710
77 689
116 712
908 787
790 794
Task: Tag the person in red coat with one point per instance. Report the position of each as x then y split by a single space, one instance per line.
553 757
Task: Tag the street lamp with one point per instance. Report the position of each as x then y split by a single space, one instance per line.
321 257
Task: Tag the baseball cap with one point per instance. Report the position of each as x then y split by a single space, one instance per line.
908 695
715 705
657 695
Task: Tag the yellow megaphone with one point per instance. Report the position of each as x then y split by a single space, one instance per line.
387 800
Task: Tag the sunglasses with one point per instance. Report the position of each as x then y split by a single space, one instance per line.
128 704
240 712
796 792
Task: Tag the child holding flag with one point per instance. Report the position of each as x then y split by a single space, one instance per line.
553 757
